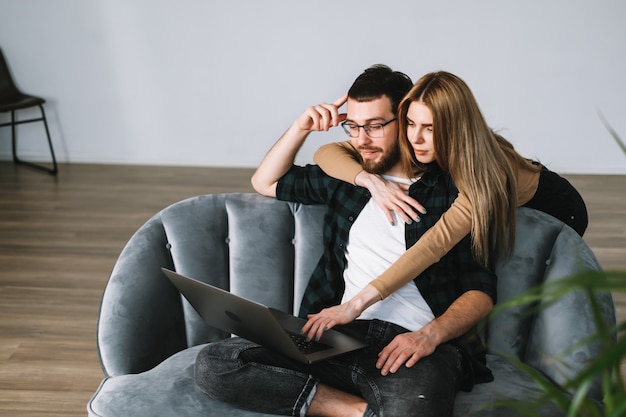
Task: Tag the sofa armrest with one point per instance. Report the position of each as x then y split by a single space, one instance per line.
141 321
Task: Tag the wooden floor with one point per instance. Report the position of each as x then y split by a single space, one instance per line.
59 239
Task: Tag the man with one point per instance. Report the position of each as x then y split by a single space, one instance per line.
423 346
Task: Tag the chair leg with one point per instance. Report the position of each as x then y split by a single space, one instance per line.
52 171
13 138
55 168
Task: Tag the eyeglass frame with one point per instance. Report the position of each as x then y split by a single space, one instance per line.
366 127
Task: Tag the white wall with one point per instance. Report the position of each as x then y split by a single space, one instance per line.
215 83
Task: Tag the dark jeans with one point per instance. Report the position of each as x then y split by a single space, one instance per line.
251 377
557 197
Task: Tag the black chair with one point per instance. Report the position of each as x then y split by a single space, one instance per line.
11 100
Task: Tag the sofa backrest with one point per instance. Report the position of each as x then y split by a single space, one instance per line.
254 246
547 250
266 249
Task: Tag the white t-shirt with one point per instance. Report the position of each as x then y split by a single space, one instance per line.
373 246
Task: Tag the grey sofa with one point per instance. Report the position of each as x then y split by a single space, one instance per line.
264 249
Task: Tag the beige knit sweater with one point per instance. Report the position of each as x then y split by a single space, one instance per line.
337 160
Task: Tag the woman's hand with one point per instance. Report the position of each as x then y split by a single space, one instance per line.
341 314
329 318
391 197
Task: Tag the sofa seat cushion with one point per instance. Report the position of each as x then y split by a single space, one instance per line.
169 390
510 383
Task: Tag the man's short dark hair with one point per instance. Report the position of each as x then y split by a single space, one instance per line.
380 80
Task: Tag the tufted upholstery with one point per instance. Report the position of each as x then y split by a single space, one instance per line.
265 249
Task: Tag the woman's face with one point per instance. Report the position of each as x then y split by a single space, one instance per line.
419 132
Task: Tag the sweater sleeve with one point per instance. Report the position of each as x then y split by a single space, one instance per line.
339 160
453 226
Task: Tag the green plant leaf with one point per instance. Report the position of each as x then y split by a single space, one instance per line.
612 132
606 366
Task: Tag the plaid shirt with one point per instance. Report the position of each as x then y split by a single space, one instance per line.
440 285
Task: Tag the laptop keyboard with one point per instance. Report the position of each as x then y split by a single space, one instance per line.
305 346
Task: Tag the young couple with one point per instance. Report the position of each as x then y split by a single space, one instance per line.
414 290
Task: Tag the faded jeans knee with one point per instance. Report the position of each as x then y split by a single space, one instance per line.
225 369
215 362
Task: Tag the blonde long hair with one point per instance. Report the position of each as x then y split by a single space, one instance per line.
482 164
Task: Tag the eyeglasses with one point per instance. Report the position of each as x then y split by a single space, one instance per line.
373 130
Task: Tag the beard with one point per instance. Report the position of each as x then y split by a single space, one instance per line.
384 163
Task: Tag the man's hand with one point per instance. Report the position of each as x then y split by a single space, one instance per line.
282 155
322 116
391 197
406 349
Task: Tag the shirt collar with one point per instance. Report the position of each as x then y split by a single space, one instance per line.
432 174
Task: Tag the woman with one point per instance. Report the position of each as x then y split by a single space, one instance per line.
440 121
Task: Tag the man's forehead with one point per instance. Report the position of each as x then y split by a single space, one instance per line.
373 110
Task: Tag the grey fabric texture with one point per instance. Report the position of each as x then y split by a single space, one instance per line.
264 249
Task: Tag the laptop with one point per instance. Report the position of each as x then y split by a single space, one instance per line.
264 325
